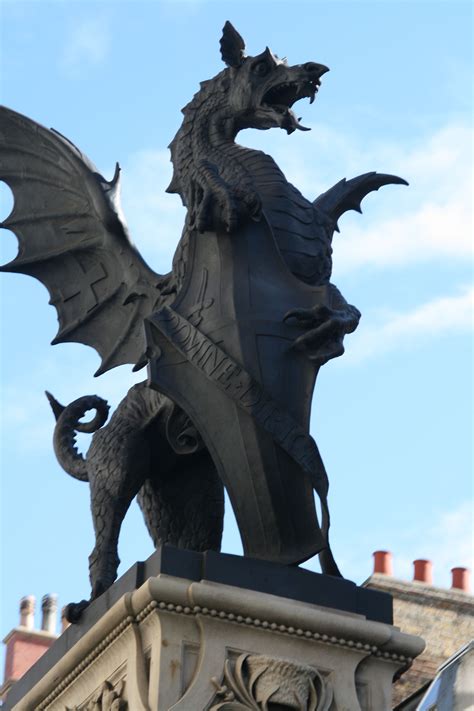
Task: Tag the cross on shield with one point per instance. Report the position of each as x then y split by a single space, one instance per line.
248 392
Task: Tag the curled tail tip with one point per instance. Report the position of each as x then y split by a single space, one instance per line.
56 406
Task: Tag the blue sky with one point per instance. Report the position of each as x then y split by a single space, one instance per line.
392 417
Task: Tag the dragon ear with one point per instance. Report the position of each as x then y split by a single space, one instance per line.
232 46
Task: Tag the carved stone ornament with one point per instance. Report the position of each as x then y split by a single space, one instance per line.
107 698
260 683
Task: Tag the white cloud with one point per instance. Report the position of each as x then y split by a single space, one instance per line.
433 231
441 316
86 46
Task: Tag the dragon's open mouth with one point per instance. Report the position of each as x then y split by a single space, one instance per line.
280 98
287 93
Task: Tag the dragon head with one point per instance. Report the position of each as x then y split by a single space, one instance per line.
264 88
251 92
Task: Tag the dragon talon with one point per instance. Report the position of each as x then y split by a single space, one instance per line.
299 314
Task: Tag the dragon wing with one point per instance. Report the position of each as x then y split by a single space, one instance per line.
72 238
348 194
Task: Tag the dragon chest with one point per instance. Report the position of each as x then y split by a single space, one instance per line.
223 352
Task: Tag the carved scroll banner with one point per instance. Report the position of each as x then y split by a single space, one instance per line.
226 326
246 392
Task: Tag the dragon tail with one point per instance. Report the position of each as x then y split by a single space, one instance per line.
68 423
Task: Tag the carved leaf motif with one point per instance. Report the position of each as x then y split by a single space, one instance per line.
260 683
107 698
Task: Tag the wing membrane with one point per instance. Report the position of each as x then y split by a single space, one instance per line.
71 237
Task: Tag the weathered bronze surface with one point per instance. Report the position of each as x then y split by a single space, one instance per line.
233 336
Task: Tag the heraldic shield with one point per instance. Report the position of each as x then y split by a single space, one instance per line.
223 352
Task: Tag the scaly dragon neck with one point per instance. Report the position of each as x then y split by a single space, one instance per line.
208 165
217 178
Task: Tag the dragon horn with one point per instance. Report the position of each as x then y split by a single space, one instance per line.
232 46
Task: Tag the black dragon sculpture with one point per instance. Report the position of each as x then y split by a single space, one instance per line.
74 239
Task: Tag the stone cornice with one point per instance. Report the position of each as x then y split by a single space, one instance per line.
249 609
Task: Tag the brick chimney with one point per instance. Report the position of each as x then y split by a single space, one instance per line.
25 645
423 572
383 564
460 579
49 613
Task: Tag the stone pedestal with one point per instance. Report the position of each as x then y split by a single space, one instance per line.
181 644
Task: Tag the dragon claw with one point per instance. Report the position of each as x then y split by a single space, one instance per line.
314 316
322 343
325 332
73 612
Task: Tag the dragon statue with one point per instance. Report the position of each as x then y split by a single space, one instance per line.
233 336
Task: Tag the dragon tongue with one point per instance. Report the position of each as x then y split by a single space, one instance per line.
302 128
291 122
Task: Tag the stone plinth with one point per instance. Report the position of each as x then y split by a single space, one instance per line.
193 645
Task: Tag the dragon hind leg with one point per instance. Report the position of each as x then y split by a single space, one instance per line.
109 506
114 482
185 508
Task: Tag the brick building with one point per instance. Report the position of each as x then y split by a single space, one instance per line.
444 618
25 644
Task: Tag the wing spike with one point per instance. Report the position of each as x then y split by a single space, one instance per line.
116 177
348 194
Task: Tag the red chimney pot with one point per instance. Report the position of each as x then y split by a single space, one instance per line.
460 579
423 571
383 563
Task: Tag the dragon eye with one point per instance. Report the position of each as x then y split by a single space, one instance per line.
261 68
